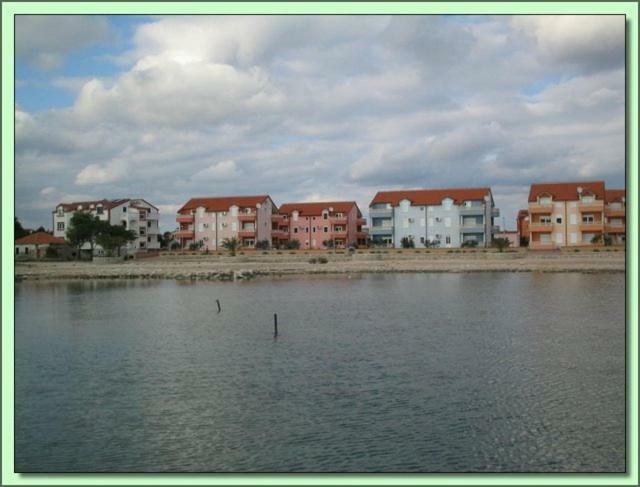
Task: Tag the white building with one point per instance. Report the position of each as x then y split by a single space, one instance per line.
135 214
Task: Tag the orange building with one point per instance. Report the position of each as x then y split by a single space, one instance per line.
523 226
566 214
615 215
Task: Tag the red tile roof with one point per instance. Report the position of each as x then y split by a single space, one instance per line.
430 196
523 213
566 191
612 195
223 203
40 238
315 208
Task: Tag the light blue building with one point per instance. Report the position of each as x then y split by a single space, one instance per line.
433 217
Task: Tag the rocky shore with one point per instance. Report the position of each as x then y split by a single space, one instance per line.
253 264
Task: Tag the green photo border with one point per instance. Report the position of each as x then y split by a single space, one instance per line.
9 9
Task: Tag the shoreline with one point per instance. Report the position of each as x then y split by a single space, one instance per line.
226 268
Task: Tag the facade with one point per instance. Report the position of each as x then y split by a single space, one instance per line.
36 244
207 222
615 215
313 224
135 214
514 237
566 214
433 217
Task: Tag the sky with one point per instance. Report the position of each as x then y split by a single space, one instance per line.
312 108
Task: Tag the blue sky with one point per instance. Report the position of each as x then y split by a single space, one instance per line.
312 108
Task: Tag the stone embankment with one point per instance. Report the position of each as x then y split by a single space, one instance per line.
282 263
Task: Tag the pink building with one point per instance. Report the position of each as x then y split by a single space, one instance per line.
316 224
209 221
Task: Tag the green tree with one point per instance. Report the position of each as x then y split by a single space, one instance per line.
231 244
18 230
263 245
84 228
501 243
114 237
469 243
293 244
596 238
328 243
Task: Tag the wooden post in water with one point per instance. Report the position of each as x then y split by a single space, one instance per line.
275 324
219 307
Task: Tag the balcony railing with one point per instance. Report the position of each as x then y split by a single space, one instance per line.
277 218
247 218
361 221
469 228
185 234
615 228
589 207
472 210
279 233
591 227
340 221
538 208
380 212
339 234
615 212
540 227
495 212
184 218
246 233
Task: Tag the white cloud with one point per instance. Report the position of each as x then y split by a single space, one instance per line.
224 170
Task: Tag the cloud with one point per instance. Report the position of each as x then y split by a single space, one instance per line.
44 41
332 107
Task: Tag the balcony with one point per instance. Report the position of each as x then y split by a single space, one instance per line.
339 234
381 230
339 221
277 219
362 234
541 245
495 212
596 207
381 212
184 218
247 218
246 234
540 227
614 229
361 221
591 227
615 213
535 208
185 234
472 210
279 233
472 228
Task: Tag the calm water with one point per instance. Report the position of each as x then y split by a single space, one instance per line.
411 372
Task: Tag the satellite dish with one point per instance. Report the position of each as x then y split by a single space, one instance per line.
330 208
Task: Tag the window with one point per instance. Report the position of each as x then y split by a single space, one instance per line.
447 222
545 220
339 215
574 237
558 219
447 239
234 226
124 209
205 225
223 213
325 229
60 226
295 229
438 219
17 250
99 210
306 230
285 217
142 245
421 240
60 211
313 229
422 208
573 219
544 200
559 238
412 220
587 219
142 231
325 215
148 224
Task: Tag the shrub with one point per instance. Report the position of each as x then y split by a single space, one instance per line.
596 239
313 260
608 240
596 250
51 252
293 244
469 244
501 243
262 245
323 260
407 243
576 250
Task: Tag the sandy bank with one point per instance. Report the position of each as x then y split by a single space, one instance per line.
223 267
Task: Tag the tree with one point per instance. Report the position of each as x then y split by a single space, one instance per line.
41 229
407 243
231 244
524 241
263 245
607 240
84 228
114 237
501 243
293 244
18 230
596 238
469 243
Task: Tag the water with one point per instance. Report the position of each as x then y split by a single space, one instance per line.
394 373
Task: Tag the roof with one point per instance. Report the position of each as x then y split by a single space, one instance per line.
566 191
430 196
86 204
40 238
315 208
612 195
223 203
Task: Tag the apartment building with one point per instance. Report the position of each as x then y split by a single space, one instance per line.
566 214
209 221
433 217
137 215
615 215
523 226
314 224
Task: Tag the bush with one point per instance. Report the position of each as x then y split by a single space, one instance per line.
501 243
596 250
576 250
407 243
596 239
51 252
608 240
175 245
313 260
293 244
323 260
469 244
265 253
262 245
